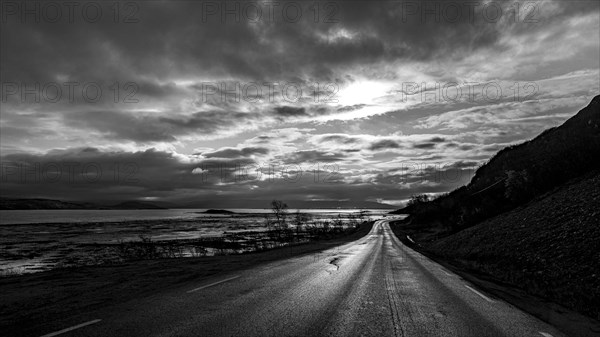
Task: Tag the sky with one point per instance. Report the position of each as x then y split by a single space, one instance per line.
236 103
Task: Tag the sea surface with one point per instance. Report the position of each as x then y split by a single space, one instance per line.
39 240
9 217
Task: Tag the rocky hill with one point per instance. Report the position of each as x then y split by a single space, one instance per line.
519 173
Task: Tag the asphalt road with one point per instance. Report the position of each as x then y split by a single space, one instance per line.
374 286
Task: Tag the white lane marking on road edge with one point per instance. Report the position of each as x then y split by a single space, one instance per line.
545 334
480 294
72 328
212 284
445 272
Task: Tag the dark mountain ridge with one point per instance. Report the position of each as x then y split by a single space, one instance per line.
40 203
133 204
519 173
528 219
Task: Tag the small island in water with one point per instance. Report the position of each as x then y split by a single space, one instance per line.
218 211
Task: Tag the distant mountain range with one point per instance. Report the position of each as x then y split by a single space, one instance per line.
262 203
10 204
39 203
136 205
6 203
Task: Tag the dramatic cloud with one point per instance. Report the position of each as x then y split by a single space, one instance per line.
384 144
182 90
232 153
287 111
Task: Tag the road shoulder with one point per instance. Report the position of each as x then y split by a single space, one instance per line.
565 320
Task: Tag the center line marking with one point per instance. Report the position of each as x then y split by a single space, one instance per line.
72 328
212 284
545 334
480 294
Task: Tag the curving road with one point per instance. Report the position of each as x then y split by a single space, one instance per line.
374 286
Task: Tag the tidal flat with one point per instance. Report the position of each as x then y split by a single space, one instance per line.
37 247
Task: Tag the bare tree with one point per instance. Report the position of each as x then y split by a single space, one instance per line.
268 222
280 211
300 219
338 224
418 199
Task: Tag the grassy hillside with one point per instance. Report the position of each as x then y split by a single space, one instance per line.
550 247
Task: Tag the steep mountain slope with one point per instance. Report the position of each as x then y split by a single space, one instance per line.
529 217
518 173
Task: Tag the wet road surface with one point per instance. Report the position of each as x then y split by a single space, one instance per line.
375 286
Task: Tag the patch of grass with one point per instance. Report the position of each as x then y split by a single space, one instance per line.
227 244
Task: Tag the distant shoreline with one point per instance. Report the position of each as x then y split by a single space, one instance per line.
61 216
51 204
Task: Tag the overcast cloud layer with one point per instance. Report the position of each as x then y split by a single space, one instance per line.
353 101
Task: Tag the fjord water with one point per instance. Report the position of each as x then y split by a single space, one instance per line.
37 240
8 217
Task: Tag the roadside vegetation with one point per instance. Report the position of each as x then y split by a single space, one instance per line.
281 229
